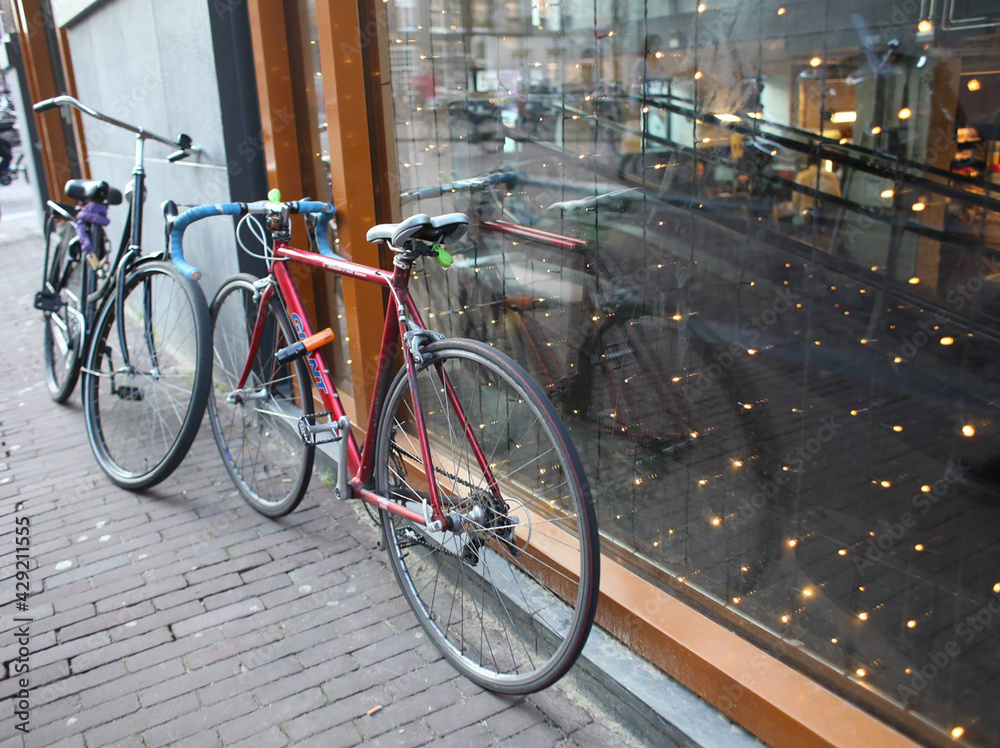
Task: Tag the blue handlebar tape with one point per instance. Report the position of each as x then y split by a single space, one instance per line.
184 220
325 213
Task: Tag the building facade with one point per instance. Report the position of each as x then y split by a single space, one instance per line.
751 249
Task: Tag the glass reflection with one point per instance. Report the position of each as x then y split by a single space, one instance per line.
751 250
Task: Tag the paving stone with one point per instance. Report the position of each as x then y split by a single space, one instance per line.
119 650
408 736
344 710
117 685
187 681
177 729
248 680
272 714
400 713
143 720
272 737
474 709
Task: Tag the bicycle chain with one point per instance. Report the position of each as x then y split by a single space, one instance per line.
445 473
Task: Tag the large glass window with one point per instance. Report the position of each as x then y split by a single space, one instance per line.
752 249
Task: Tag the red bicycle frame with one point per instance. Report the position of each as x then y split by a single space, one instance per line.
361 462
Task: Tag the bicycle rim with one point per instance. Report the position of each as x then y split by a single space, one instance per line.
256 428
510 599
142 418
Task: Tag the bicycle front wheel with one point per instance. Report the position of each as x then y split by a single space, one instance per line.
63 329
256 427
508 594
143 411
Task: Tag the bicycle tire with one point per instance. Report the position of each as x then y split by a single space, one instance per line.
494 556
63 331
133 449
273 474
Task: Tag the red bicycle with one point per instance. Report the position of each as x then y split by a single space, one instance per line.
485 509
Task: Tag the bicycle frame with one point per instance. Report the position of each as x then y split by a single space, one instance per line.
402 317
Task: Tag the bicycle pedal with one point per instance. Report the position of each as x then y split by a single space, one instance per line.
129 392
48 301
313 433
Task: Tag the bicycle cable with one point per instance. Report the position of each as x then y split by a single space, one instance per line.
256 228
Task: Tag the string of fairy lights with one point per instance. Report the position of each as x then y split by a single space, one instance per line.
827 602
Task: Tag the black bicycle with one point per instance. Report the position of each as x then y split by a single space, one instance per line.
135 326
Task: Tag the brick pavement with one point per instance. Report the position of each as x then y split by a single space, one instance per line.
181 617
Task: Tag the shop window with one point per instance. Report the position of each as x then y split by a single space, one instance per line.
752 250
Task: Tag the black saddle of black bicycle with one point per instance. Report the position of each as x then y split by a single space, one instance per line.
93 190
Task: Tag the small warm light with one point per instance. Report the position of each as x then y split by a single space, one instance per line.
703 481
947 340
843 117
751 351
887 194
914 281
781 10
925 488
702 7
897 360
745 569
786 618
996 588
968 430
876 129
842 552
807 592
863 616
957 732
716 521
792 543
736 601
693 435
815 62
925 26
897 428
885 484
973 84
697 75
918 547
911 624
864 341
854 412
861 672
905 113
918 206
817 342
834 640
747 406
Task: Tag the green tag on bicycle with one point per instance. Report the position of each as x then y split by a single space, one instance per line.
274 195
443 256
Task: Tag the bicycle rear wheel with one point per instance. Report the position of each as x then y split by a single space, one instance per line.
63 330
256 427
142 417
509 594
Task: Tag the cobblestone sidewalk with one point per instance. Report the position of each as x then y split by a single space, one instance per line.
181 617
